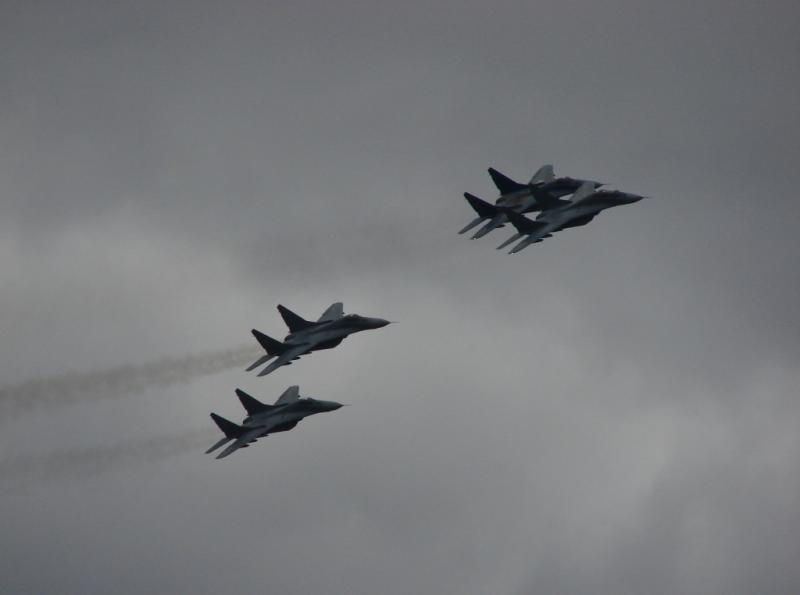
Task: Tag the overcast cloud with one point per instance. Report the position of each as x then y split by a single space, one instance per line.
612 411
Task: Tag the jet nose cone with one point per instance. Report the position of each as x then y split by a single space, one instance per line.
378 322
631 198
332 405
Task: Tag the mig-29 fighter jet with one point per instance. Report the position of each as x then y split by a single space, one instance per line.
586 204
540 194
495 215
306 336
264 419
512 192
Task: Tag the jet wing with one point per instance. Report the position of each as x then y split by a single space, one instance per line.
285 427
578 221
242 441
286 358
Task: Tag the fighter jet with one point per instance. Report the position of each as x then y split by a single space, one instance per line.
495 216
263 419
586 204
512 192
540 194
486 211
306 336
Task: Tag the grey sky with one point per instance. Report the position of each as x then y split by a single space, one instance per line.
611 411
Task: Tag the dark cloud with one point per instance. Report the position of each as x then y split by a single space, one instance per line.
607 412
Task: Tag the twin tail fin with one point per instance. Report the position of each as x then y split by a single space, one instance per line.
295 322
230 429
544 175
523 224
483 208
251 404
272 346
504 184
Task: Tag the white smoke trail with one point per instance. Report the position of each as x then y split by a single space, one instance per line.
118 382
87 462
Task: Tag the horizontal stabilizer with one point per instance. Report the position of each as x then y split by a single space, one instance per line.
231 449
295 322
259 362
484 209
543 175
273 346
222 441
472 224
230 429
510 240
523 244
497 221
251 404
504 184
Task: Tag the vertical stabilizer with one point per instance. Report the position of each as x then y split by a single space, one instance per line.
251 404
295 322
333 312
484 209
504 184
523 224
230 429
290 395
272 346
543 175
583 192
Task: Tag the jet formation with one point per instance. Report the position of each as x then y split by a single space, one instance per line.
304 336
263 420
544 194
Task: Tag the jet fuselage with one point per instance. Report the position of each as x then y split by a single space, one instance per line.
573 214
325 335
285 417
528 199
523 197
